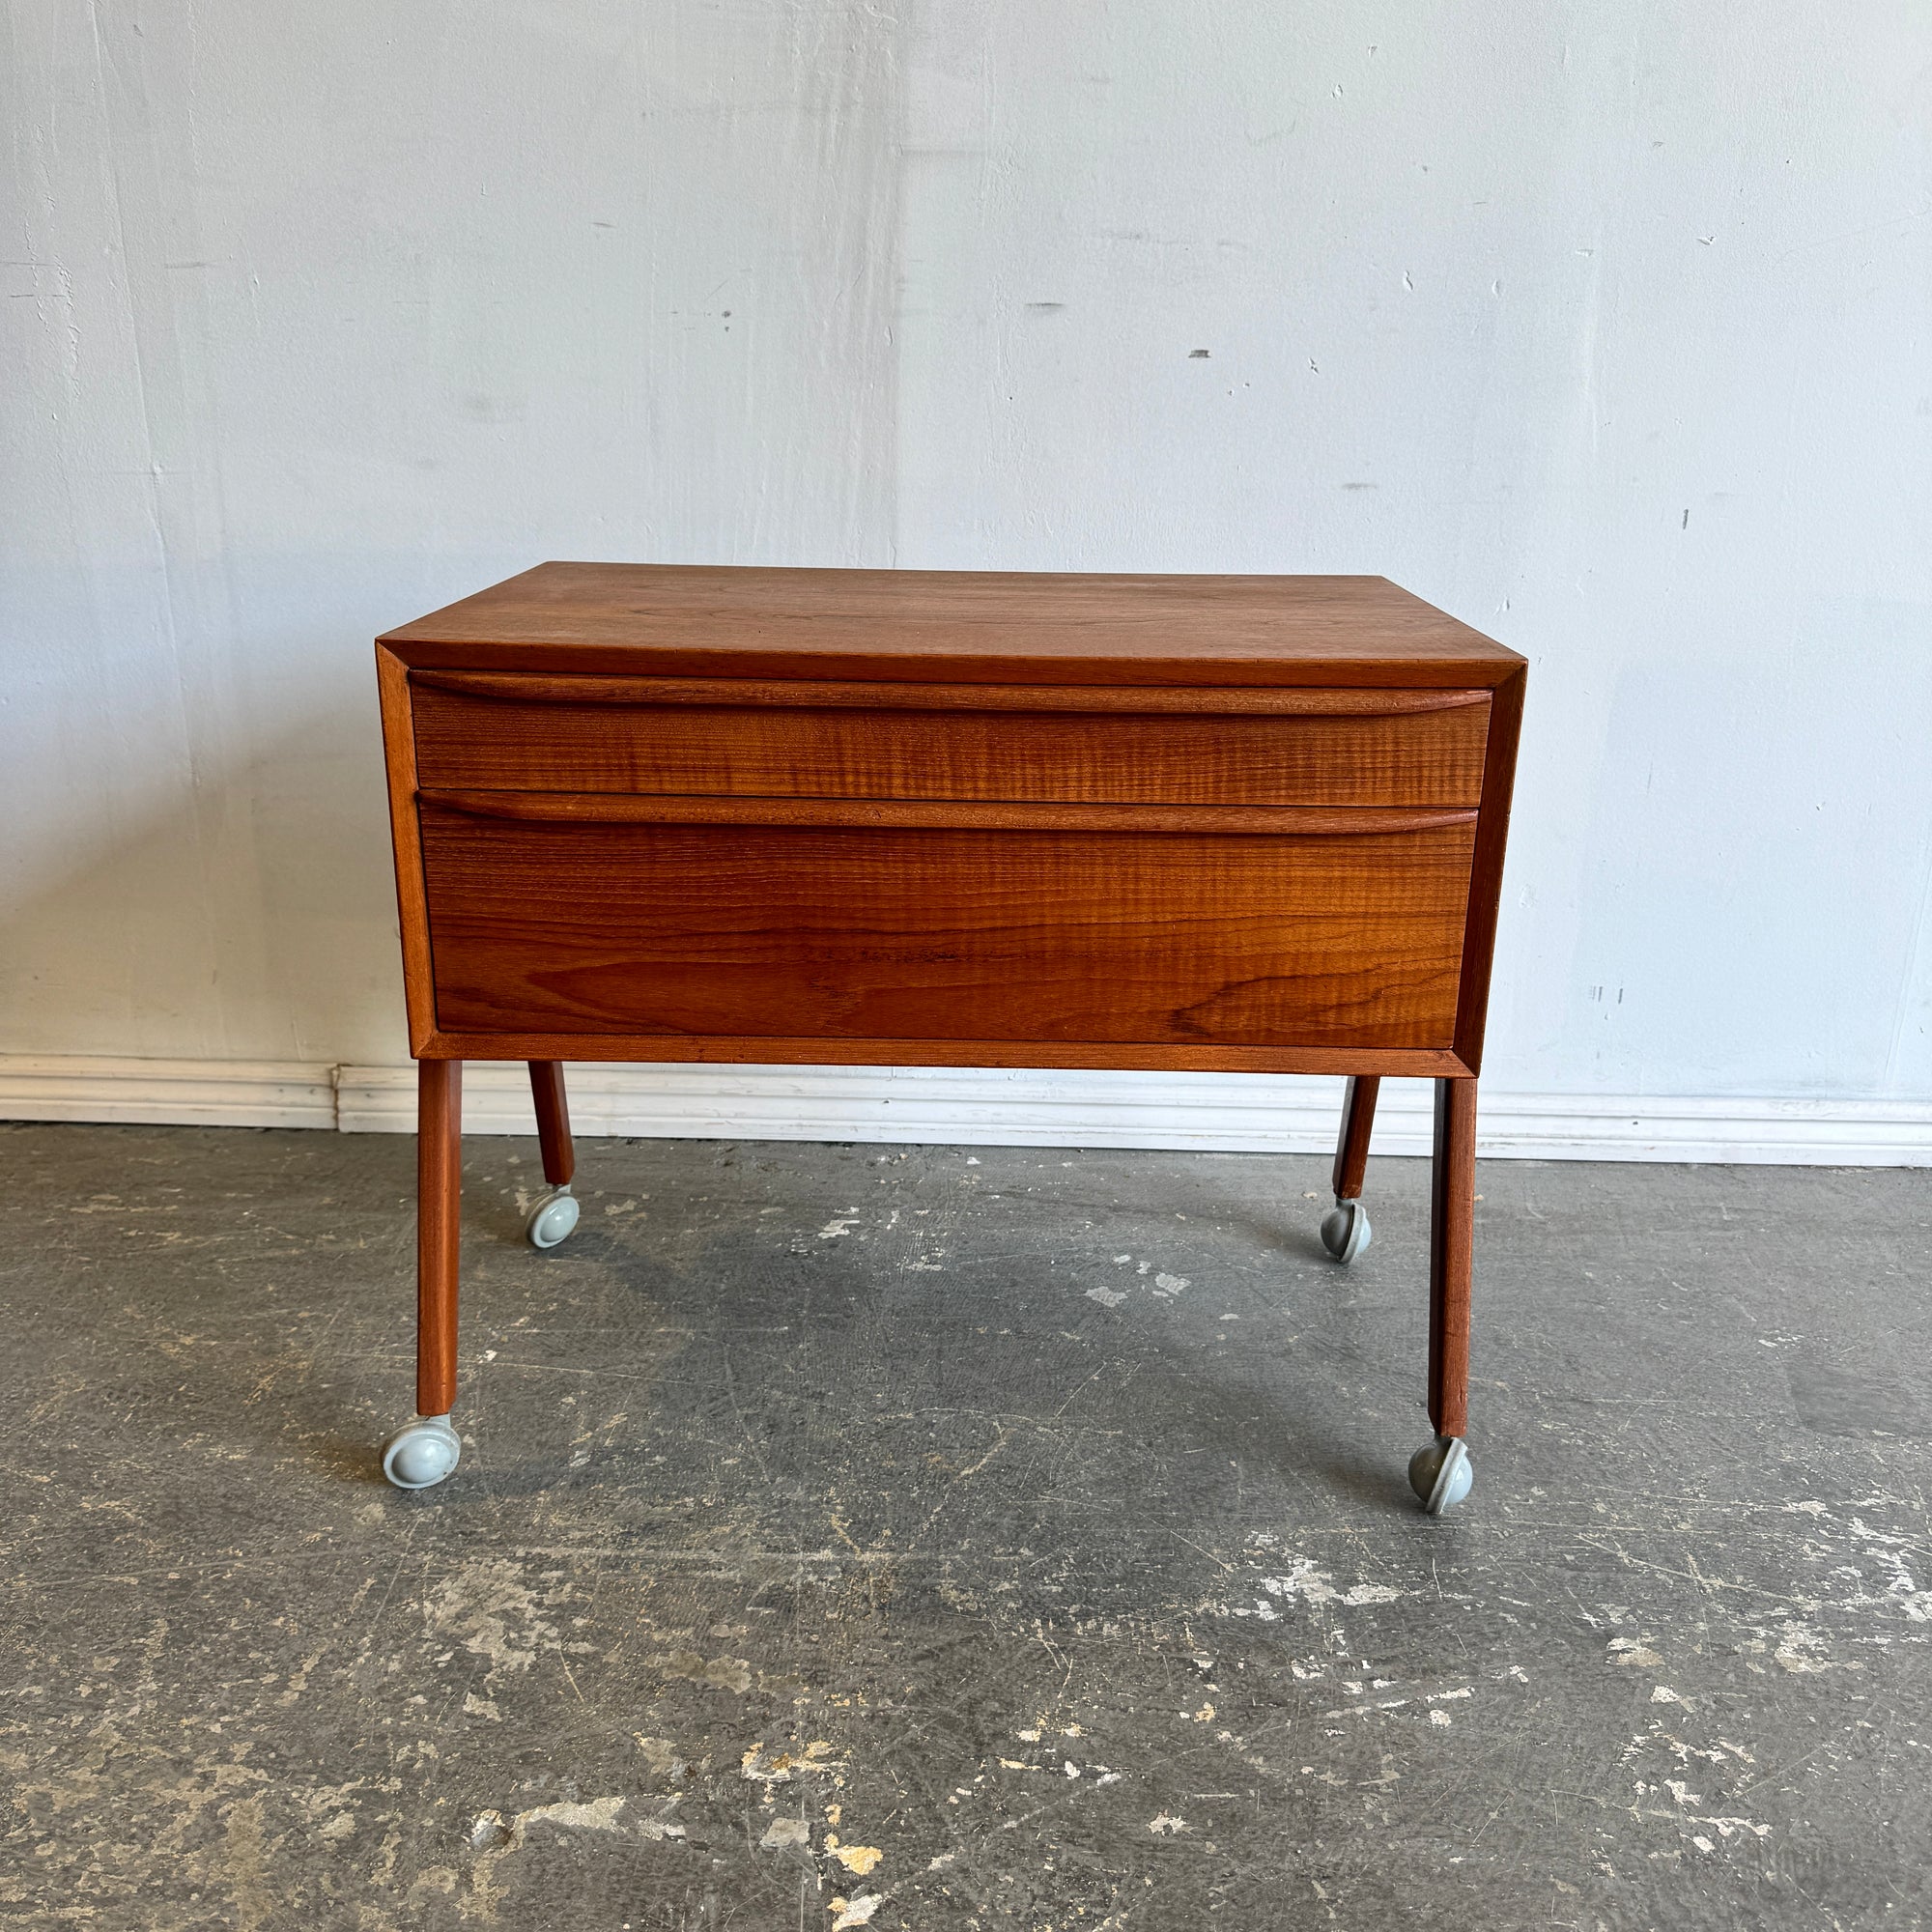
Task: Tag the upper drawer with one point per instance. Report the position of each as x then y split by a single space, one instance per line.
1126 746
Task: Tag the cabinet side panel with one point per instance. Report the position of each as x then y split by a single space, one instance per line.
1486 876
399 756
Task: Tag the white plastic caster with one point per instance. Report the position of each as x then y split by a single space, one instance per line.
551 1219
1345 1230
1441 1474
421 1453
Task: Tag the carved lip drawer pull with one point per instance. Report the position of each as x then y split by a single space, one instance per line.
943 815
1298 701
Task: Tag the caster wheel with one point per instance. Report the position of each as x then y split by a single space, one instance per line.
1441 1474
551 1219
1345 1230
420 1454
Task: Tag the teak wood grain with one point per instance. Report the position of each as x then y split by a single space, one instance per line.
928 694
1420 1063
942 814
977 627
594 926
1452 1229
548 743
1352 1149
552 1109
1485 873
439 1229
399 755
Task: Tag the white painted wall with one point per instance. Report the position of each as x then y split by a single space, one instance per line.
1607 330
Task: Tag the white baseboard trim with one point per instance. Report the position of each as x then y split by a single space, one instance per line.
167 1093
978 1107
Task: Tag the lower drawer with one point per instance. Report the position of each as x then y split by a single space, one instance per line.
946 932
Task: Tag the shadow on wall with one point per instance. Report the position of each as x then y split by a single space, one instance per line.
254 920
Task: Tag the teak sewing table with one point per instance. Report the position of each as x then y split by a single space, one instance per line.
947 818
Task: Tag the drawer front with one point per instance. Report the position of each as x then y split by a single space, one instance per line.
573 925
1334 748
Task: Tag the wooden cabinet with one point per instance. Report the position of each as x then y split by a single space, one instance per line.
658 813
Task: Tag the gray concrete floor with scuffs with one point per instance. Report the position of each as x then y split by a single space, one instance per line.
932 1539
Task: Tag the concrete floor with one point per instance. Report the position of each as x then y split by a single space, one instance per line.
1009 1539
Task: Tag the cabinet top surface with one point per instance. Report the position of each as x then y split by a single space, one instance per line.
958 625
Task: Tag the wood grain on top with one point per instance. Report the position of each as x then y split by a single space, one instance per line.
1017 626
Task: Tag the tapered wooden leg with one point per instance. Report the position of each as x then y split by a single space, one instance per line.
556 1215
1351 1150
1451 1249
559 1160
439 1215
